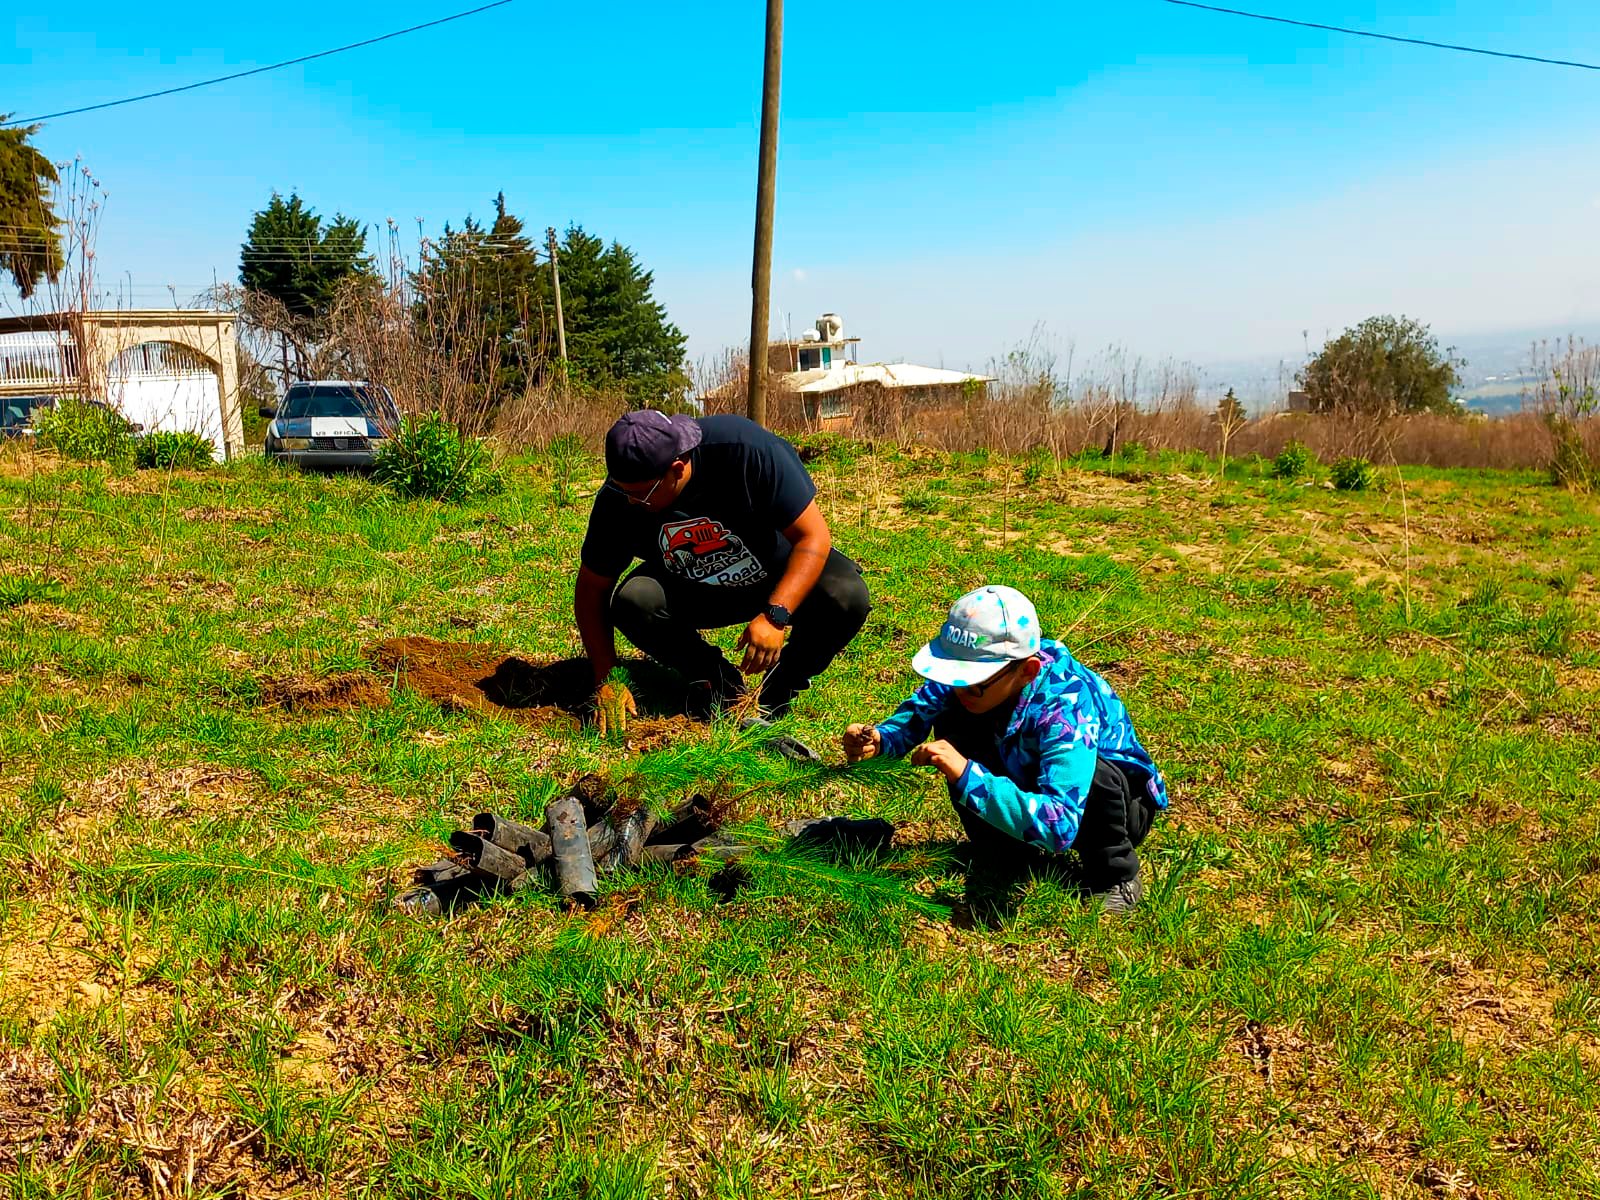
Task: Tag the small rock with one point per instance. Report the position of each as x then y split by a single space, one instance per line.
96 994
420 902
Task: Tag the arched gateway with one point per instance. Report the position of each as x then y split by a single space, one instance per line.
163 368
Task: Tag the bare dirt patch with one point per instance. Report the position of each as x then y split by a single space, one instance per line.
210 514
471 677
475 677
46 967
53 962
151 792
38 612
350 689
157 1144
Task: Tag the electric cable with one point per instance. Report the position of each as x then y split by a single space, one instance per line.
1384 37
288 62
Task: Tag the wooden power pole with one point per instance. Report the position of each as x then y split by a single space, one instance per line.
766 186
555 280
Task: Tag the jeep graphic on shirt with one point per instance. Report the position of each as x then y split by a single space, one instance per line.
704 551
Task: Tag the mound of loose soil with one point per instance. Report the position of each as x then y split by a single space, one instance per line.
352 689
473 677
646 734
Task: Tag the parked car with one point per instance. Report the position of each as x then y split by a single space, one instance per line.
331 423
16 414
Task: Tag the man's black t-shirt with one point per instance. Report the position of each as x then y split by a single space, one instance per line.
726 527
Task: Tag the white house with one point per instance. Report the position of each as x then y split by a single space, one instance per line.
820 367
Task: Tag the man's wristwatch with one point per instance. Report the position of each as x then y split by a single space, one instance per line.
779 616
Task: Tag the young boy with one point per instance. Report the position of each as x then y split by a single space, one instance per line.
1038 751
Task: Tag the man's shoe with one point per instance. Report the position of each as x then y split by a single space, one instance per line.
1121 898
709 697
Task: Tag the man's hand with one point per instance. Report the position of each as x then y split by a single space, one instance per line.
861 741
950 761
613 705
761 642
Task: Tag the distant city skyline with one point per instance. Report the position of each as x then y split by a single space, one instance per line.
1181 184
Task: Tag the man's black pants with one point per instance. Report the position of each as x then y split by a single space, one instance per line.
1117 813
663 617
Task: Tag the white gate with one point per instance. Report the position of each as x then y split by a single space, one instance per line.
162 385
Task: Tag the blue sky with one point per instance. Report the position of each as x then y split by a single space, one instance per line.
952 176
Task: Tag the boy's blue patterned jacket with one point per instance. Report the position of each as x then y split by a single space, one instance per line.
1064 719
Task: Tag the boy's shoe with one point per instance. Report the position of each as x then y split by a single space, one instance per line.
1120 898
789 747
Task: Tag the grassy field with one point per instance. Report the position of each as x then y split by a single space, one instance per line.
1366 965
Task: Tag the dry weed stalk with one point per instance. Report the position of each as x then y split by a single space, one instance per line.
1566 395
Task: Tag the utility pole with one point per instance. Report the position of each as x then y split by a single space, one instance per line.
555 279
766 187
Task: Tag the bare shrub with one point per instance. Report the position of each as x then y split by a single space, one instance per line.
1566 394
421 334
1424 439
423 342
79 200
1229 418
546 413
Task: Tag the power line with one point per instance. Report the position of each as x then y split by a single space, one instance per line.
304 58
1385 37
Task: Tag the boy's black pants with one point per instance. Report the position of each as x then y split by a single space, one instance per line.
1117 813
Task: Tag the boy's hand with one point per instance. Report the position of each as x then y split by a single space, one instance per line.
950 761
861 741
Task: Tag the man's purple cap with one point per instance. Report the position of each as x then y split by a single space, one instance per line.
642 445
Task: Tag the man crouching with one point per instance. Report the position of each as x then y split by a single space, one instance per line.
1039 753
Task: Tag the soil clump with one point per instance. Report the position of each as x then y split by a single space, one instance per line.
350 689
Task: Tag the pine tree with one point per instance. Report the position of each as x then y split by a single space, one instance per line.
487 285
30 242
618 335
293 257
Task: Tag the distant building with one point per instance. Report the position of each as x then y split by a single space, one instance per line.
835 391
1299 402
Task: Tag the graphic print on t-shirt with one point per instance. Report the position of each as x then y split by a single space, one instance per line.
703 551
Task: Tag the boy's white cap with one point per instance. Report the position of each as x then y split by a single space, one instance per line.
986 631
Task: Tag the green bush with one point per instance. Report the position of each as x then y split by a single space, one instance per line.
1295 462
19 589
1039 461
173 451
428 458
87 432
1354 475
827 447
565 456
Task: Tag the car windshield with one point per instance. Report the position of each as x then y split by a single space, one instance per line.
335 402
16 410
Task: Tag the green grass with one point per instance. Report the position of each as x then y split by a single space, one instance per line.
1366 964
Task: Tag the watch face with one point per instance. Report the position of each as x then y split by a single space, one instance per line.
778 615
